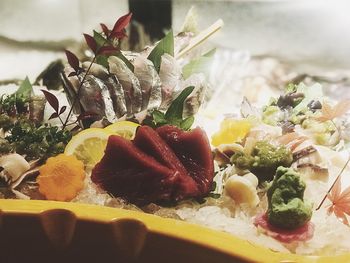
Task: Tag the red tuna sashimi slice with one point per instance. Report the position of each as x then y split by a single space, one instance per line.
193 150
302 233
152 144
128 172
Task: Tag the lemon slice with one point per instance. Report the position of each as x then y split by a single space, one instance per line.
88 145
125 129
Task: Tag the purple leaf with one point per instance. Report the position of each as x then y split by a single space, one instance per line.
63 109
51 99
120 34
121 23
72 74
87 115
53 116
72 60
105 29
90 41
107 50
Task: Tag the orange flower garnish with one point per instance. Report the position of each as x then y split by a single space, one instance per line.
61 178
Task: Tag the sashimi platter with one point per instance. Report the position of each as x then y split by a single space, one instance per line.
163 132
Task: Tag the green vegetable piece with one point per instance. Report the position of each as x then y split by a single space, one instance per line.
5 146
102 60
159 117
291 88
286 206
174 113
272 115
25 89
187 123
173 116
199 65
166 45
264 160
120 55
100 40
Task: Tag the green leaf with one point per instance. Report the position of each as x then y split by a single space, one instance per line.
126 61
175 110
166 45
158 117
102 60
210 53
186 124
100 40
199 65
25 89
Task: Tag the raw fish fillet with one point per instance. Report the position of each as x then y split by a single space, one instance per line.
163 165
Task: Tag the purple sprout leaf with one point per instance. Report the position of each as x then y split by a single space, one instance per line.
120 35
120 25
105 29
51 99
99 39
63 109
53 116
72 60
108 50
91 42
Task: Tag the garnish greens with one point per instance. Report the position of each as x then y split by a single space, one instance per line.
263 160
166 45
199 65
24 135
174 114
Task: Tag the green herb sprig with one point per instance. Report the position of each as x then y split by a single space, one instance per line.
174 114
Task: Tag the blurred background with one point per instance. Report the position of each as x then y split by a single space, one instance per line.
299 37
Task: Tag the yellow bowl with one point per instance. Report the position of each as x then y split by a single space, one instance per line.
46 231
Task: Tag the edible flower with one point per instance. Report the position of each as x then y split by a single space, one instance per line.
61 178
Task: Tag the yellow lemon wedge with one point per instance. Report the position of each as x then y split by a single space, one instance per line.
88 146
231 131
125 129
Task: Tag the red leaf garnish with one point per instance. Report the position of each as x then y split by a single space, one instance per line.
90 41
72 60
120 34
53 116
107 50
51 99
121 23
329 112
63 109
340 201
105 29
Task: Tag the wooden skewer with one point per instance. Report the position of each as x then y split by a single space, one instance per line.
201 37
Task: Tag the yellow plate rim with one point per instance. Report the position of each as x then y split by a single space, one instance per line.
208 238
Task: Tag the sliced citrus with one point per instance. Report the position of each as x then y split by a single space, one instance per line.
88 145
231 131
125 129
